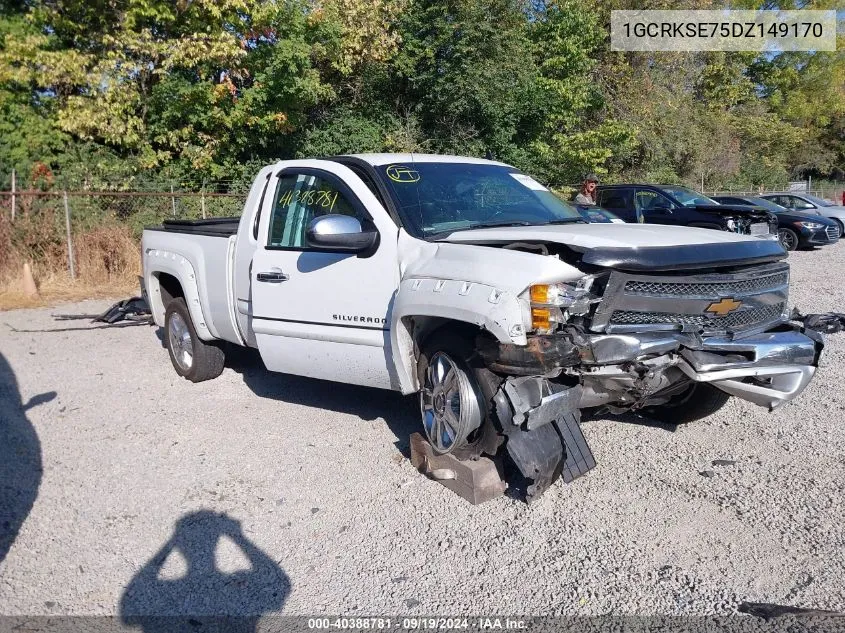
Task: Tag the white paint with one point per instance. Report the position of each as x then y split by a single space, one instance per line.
529 182
599 235
311 324
347 318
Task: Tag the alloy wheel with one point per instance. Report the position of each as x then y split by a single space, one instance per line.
787 239
449 406
180 341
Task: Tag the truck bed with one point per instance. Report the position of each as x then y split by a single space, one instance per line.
215 227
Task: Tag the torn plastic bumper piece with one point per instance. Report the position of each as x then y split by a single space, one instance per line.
536 402
543 452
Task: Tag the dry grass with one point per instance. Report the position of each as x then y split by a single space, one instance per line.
59 289
107 260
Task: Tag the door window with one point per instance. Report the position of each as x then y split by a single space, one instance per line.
647 202
614 199
798 203
299 198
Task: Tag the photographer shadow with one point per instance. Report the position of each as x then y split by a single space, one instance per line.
166 597
20 456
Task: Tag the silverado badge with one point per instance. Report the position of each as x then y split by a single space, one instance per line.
723 307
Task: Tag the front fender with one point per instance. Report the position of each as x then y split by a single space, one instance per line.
498 311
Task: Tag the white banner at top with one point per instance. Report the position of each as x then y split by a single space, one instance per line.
723 30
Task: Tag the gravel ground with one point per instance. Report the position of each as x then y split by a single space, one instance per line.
128 474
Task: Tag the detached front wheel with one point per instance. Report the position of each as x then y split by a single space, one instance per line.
192 358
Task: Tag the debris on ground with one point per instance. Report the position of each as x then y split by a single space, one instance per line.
134 309
827 323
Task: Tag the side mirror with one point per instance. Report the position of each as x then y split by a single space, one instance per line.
340 233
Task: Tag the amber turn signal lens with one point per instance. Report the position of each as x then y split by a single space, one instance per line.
540 294
540 318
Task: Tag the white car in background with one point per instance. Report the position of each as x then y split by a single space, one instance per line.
807 203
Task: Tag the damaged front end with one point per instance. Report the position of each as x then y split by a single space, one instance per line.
744 220
622 342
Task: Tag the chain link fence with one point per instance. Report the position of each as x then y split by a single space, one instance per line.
86 231
89 231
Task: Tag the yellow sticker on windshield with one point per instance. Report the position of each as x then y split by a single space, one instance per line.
400 173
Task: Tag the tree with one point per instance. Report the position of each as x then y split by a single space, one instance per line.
466 72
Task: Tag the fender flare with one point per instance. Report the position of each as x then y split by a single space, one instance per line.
497 311
178 266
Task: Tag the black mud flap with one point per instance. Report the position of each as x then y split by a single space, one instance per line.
547 452
579 457
538 455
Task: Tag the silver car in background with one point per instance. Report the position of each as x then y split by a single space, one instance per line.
806 203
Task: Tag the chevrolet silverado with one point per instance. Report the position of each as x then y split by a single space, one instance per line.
468 282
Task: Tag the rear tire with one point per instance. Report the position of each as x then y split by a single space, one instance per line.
192 358
697 402
456 392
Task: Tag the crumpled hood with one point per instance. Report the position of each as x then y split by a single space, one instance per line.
585 236
637 247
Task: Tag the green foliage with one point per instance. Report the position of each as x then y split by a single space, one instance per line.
107 94
465 71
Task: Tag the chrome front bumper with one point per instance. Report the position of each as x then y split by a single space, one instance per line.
777 366
768 369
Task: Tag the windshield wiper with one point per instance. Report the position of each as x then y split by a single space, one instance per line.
502 224
567 221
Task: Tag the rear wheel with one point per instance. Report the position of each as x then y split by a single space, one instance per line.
192 358
698 401
788 239
455 394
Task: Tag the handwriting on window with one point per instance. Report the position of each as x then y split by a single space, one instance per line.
323 198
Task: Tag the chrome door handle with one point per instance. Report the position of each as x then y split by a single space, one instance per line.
273 277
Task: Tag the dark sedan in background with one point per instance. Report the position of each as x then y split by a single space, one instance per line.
795 229
680 206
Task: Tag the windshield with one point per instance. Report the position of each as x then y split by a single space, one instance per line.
688 197
768 204
819 202
437 198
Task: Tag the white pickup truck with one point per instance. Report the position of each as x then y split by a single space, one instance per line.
470 283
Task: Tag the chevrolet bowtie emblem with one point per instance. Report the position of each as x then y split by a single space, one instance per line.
723 307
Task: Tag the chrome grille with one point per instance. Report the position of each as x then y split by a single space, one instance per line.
708 289
632 302
832 232
736 320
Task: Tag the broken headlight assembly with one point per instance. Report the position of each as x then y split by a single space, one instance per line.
553 304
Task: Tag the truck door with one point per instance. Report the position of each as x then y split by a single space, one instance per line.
318 313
